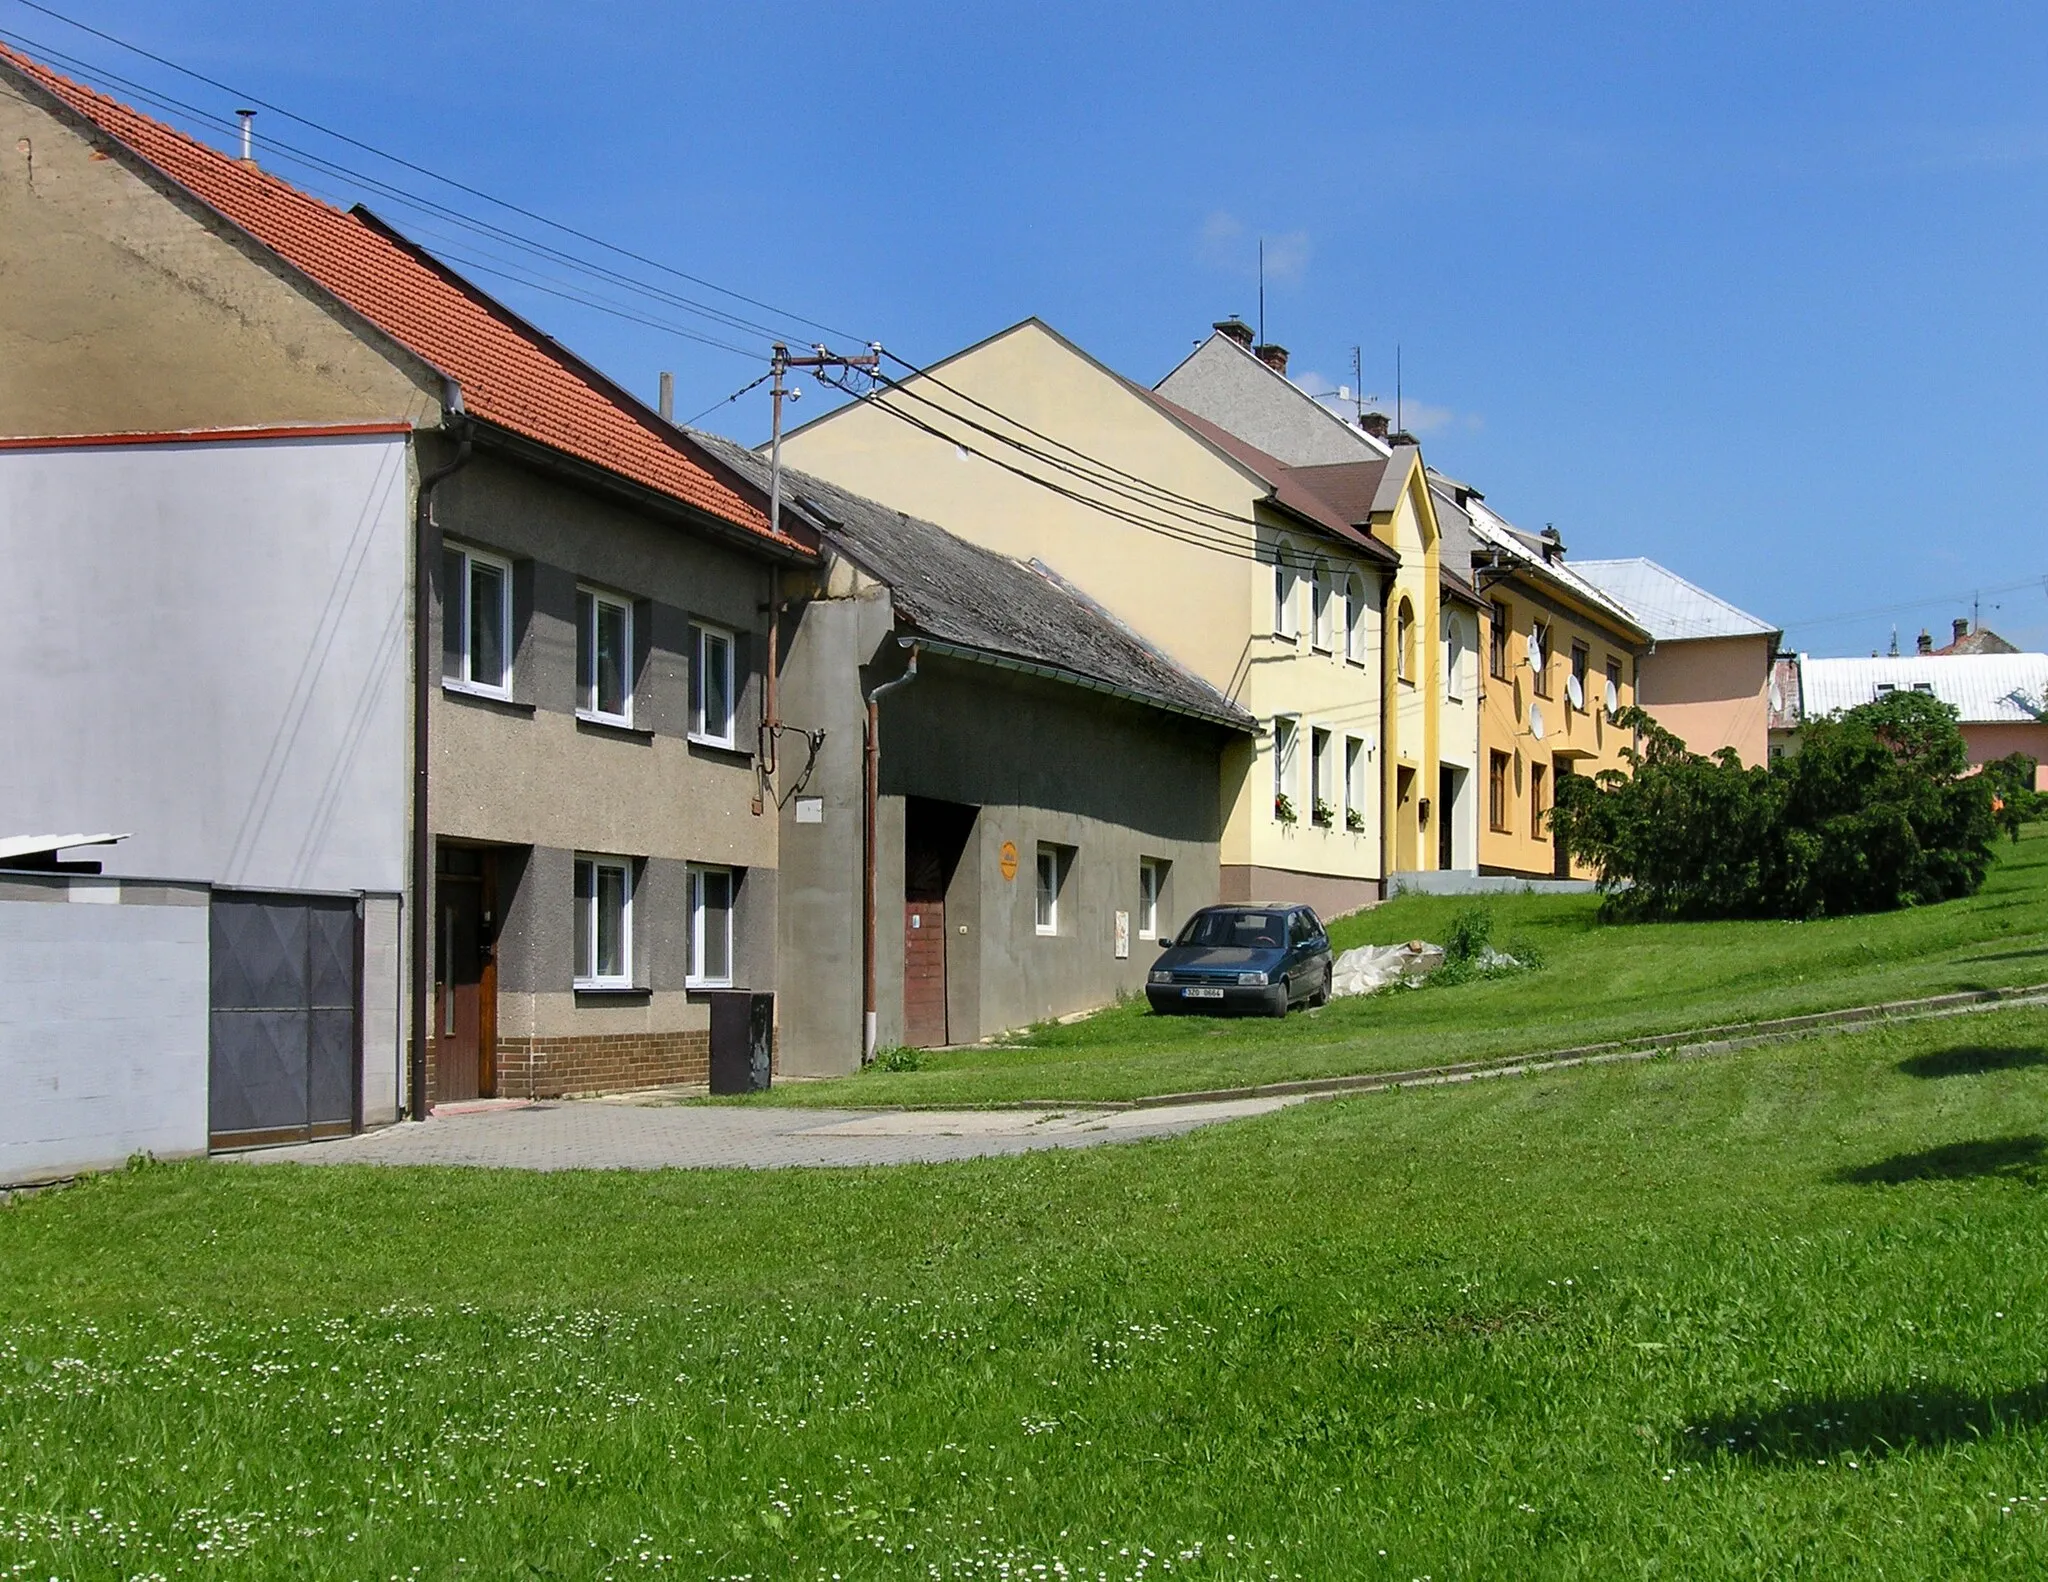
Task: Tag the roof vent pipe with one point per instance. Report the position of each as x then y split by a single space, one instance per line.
248 119
668 396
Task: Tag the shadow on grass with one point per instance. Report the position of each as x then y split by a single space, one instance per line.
2017 1158
1972 1060
1862 1426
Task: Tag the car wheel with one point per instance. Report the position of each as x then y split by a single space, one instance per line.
1279 1000
1322 994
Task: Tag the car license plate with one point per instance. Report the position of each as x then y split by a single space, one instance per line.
1201 994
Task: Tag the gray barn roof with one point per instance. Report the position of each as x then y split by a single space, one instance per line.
966 598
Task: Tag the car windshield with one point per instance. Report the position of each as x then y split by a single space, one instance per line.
1245 930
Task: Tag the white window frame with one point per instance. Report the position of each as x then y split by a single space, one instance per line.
1354 778
1320 738
701 635
1354 619
455 606
1286 749
1322 610
586 683
1286 593
1049 878
587 920
700 874
1151 886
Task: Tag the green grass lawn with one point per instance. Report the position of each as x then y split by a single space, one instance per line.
1779 1314
1598 981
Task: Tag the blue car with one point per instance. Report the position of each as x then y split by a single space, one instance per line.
1243 958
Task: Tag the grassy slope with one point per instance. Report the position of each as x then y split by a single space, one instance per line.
1775 1315
1598 982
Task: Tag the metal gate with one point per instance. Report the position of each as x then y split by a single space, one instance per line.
285 1047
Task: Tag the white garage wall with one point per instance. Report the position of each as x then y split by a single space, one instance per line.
205 643
103 1029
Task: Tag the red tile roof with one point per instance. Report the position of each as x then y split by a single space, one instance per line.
510 374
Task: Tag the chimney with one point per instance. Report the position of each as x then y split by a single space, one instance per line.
1553 545
1374 423
1274 357
668 396
1926 643
1962 627
248 118
1401 436
1236 329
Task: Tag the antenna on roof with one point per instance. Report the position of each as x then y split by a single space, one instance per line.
1357 385
1399 426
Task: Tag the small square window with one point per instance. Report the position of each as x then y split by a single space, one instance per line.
1054 863
1151 890
711 687
604 922
604 657
476 621
711 893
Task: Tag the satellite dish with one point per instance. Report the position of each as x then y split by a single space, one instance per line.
1576 691
1613 698
1536 723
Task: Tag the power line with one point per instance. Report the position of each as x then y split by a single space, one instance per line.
727 400
1917 604
433 175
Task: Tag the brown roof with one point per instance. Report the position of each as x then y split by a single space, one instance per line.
510 374
1285 481
1981 641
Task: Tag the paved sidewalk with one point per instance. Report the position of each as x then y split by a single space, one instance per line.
601 1135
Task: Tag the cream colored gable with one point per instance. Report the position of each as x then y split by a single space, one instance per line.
124 309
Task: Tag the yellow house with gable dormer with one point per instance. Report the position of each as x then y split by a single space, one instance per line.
1319 618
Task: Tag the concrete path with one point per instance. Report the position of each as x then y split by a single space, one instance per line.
601 1135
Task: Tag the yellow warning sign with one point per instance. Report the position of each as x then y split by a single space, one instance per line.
1009 859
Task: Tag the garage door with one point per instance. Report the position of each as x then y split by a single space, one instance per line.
285 1046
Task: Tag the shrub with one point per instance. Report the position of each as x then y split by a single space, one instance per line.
1875 811
900 1057
2014 801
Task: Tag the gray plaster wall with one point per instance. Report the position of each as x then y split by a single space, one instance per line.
1043 762
103 1025
1241 395
540 784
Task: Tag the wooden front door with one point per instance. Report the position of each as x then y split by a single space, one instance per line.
466 976
924 973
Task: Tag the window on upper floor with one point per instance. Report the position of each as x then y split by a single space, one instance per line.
1500 621
1404 640
1539 657
711 686
604 657
1323 609
1354 618
476 621
1454 658
1613 685
1286 620
1581 658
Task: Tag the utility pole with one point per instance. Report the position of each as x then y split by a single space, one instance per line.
818 358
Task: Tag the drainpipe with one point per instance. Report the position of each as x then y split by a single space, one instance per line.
873 795
454 421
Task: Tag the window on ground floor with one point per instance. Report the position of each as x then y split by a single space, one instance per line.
1054 864
1497 770
1354 784
1151 891
711 892
1539 791
1322 778
604 922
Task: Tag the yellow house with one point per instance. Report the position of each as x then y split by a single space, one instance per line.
1223 557
1561 658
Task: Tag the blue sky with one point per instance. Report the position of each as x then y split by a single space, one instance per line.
1755 290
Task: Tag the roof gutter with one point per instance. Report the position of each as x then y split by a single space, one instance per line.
985 656
454 421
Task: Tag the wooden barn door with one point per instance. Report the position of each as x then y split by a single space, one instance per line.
934 833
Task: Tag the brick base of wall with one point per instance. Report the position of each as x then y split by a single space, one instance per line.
548 1068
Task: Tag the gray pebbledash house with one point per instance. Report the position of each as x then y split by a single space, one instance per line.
1048 804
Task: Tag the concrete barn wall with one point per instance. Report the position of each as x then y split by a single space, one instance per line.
103 1026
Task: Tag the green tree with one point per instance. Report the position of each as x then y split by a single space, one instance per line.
1877 810
2014 799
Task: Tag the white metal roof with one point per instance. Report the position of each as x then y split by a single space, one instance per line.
1495 532
1673 609
1984 689
34 845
